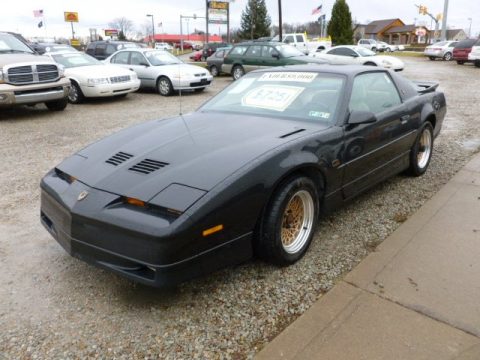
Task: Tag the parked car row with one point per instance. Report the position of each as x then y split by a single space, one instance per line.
463 51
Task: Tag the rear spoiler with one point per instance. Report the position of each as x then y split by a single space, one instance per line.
424 87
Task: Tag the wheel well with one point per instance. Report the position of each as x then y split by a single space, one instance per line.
432 119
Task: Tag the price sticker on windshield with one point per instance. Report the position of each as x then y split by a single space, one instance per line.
304 77
272 97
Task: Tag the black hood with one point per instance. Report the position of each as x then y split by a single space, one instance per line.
198 150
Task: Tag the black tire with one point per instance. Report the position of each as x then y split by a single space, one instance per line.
421 152
75 94
369 63
273 232
448 56
388 50
164 86
57 105
477 63
237 72
433 58
199 90
460 62
374 49
214 70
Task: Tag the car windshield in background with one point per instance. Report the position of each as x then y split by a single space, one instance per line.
10 44
290 95
75 60
158 58
288 51
364 52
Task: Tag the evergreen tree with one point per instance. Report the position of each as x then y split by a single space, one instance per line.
255 20
340 25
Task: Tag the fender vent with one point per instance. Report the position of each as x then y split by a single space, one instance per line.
119 158
148 166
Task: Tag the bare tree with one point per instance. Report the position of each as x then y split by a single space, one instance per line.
123 25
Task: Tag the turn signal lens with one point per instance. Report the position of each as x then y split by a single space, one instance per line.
135 202
212 230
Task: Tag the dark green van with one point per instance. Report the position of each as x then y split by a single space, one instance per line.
249 56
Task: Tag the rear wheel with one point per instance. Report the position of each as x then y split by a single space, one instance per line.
238 72
214 70
432 58
448 56
289 221
421 152
477 63
75 94
164 86
57 105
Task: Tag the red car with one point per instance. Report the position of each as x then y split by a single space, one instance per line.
186 46
197 56
462 49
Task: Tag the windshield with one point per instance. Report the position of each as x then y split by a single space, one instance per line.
283 95
75 60
158 58
364 52
288 51
10 44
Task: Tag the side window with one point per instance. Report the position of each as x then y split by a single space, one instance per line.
137 59
110 50
374 92
90 49
238 50
267 51
220 54
100 49
289 39
254 51
452 44
363 42
300 38
334 52
121 58
343 51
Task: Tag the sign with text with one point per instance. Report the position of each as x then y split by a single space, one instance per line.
217 16
218 5
111 32
70 16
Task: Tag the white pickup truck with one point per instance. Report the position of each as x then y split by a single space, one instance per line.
301 42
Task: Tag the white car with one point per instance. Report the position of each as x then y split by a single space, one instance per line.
357 55
474 55
92 78
163 46
387 47
369 44
161 70
440 50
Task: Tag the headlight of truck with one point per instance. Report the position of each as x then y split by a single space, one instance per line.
61 70
2 78
97 81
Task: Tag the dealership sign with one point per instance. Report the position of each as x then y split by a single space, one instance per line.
70 16
111 32
218 12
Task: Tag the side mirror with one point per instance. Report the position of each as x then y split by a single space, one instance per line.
354 55
358 117
144 64
276 56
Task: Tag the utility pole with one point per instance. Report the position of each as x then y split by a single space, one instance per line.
444 22
206 20
280 25
470 28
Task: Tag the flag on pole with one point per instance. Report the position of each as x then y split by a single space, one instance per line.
317 10
37 13
40 24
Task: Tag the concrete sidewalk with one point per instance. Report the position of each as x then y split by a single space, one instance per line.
416 297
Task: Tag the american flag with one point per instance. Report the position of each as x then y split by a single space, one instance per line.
317 10
37 13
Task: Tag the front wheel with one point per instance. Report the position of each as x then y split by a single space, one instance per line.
57 105
432 58
447 57
477 63
75 94
164 86
238 72
421 152
289 221
214 70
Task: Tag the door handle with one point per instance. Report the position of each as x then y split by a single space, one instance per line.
404 119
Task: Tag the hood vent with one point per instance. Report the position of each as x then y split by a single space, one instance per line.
292 133
148 166
119 158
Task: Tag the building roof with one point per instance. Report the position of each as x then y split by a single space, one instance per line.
188 38
404 29
378 25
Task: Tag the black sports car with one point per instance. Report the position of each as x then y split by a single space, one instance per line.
247 174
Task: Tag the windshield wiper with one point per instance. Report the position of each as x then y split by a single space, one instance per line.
15 51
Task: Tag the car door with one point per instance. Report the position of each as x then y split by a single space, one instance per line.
253 58
270 56
374 151
141 66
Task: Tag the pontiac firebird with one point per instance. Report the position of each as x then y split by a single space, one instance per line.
247 174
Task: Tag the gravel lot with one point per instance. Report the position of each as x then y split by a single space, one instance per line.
54 306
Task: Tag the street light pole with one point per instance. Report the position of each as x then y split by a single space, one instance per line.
153 29
280 25
444 22
470 28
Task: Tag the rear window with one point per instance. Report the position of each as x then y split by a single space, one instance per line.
465 44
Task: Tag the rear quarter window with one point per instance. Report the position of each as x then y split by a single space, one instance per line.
238 50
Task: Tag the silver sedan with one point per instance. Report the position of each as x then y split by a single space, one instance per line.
161 70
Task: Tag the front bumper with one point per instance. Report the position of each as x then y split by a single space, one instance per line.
106 90
136 245
433 53
192 82
33 93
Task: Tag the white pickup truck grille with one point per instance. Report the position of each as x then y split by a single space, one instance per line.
32 74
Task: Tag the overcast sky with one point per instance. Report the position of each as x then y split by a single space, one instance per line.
98 13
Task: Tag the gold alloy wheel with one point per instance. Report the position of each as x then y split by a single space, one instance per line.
297 221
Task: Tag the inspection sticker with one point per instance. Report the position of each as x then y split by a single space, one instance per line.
319 114
272 97
305 77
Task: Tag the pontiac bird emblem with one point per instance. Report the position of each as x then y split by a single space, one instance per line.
82 195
